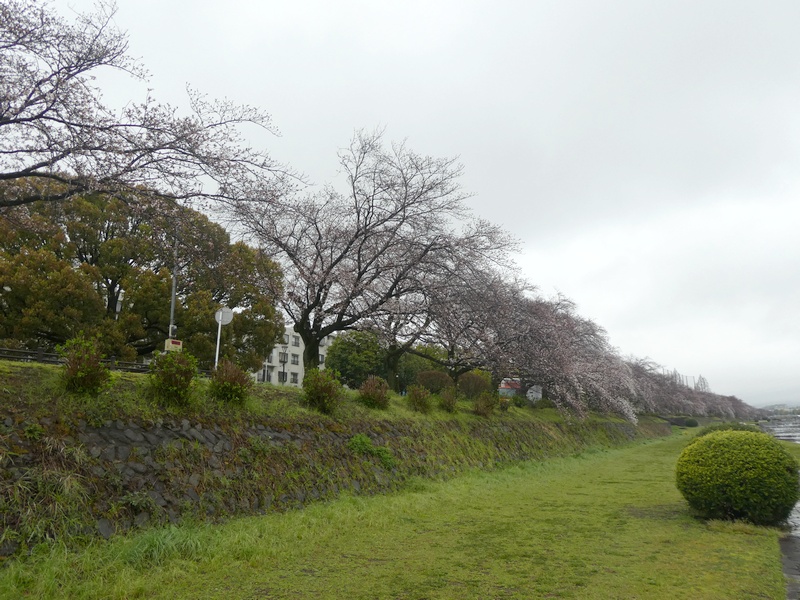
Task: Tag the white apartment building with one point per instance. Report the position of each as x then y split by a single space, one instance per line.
284 365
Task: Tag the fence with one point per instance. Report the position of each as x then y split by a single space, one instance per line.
40 356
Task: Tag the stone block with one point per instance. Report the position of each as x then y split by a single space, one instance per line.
105 528
133 435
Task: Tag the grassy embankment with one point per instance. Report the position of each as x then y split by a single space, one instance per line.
604 524
607 523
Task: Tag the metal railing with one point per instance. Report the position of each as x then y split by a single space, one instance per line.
40 356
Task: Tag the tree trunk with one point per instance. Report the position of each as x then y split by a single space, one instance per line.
311 351
392 362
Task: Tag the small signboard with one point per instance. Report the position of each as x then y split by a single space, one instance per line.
171 345
224 315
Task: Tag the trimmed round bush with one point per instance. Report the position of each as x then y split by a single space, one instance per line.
472 385
738 475
434 381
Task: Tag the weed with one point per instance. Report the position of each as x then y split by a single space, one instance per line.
155 547
259 446
138 501
361 444
33 432
43 504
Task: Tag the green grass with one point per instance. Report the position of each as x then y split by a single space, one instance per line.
601 525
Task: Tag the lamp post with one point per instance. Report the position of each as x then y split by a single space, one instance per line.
284 358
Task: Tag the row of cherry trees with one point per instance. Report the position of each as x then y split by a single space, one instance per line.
395 250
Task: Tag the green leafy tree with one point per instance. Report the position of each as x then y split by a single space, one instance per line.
44 301
355 355
415 362
117 259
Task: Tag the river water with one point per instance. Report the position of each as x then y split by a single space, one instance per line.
788 428
783 428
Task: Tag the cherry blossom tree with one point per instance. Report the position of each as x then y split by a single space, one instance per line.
373 249
58 139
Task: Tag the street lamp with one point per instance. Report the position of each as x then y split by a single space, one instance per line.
283 359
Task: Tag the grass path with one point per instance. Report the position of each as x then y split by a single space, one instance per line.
602 525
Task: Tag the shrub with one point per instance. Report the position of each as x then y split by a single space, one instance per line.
544 403
485 404
691 422
419 398
229 383
374 392
83 373
473 385
171 376
732 426
520 401
448 399
434 381
504 404
738 475
323 390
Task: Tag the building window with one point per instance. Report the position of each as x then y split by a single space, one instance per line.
294 377
295 359
283 357
269 358
268 377
296 340
285 338
282 377
322 359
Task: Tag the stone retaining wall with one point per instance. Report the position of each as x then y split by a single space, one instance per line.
126 474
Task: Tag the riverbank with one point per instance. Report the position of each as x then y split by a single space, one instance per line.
607 523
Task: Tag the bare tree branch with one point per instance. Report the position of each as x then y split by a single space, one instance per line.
57 139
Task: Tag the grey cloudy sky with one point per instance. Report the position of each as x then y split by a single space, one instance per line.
647 153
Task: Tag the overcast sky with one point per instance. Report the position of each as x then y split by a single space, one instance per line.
647 153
